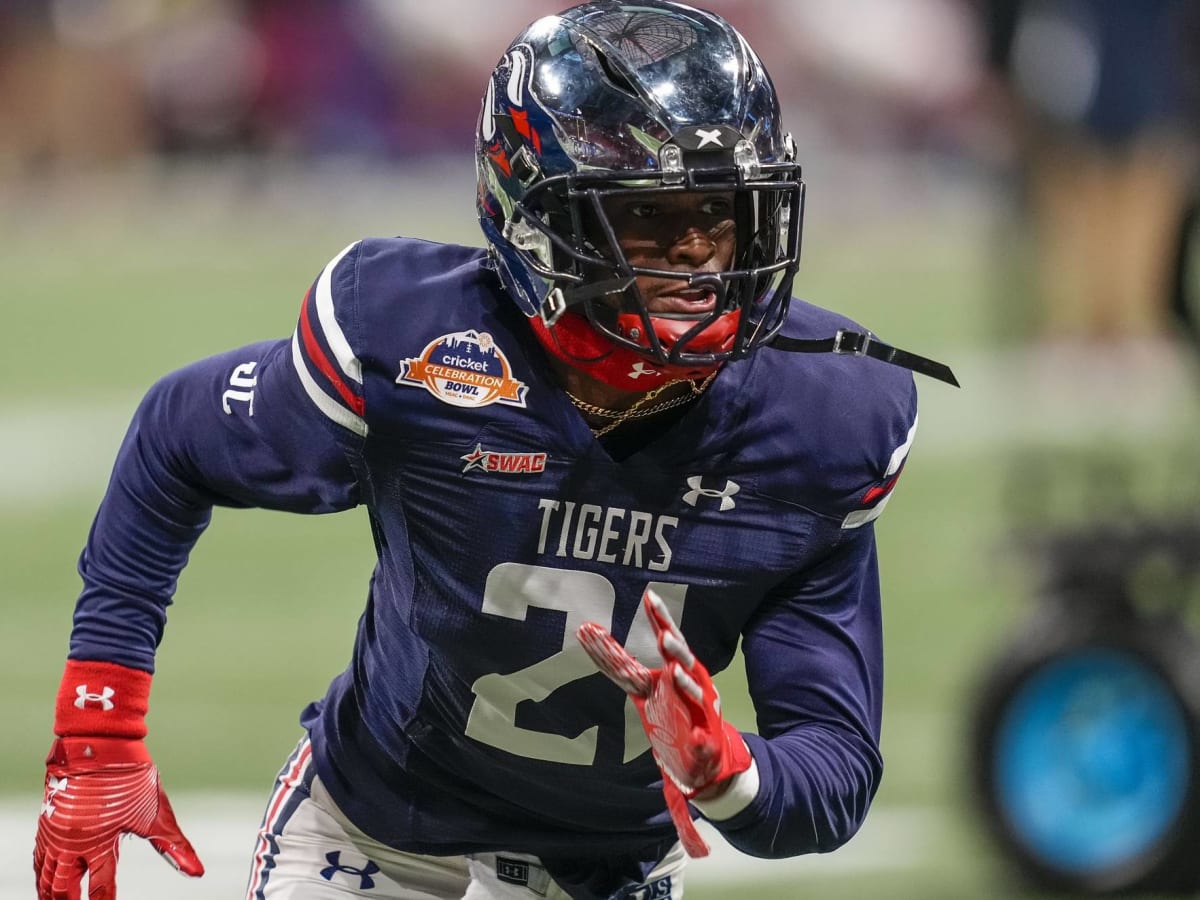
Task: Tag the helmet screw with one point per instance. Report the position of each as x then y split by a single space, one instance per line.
635 333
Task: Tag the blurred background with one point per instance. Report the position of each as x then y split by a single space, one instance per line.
1008 186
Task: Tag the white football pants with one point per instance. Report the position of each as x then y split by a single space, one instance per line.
308 850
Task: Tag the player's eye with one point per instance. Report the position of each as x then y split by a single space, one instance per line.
717 206
643 210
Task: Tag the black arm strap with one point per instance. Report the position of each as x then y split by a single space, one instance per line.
855 343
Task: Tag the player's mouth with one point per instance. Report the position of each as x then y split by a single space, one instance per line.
683 302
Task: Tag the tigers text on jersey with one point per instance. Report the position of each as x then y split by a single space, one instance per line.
469 718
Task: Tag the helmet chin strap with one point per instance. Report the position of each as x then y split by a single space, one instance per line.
573 340
570 336
857 343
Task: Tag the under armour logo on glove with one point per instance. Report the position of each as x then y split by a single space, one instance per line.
725 495
53 786
334 858
104 698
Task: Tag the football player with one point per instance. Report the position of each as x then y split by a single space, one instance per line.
608 399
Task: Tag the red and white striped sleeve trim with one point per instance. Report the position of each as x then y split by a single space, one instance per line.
329 325
876 498
328 369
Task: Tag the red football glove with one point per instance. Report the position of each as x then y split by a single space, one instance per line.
98 789
694 747
101 784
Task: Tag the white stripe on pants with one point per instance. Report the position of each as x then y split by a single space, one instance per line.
308 850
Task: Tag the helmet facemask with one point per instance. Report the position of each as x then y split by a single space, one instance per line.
563 226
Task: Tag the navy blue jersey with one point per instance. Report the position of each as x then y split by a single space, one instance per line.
469 718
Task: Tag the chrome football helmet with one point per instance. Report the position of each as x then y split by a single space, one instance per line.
610 101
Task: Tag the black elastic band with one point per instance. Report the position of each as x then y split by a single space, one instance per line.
856 343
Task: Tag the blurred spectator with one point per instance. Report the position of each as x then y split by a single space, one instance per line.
880 73
67 93
1097 91
200 72
327 86
104 80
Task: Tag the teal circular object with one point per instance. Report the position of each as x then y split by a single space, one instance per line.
1092 760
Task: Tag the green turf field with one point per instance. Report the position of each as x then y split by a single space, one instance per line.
107 288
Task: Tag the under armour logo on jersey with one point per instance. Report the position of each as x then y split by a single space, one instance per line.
725 495
104 698
640 369
334 858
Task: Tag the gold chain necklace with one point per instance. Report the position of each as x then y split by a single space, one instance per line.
640 409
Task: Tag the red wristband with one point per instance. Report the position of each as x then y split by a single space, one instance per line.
102 699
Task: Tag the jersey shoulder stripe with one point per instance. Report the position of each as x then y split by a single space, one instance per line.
326 404
326 364
329 324
316 353
872 504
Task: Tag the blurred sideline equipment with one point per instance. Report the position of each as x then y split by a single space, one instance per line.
603 400
1086 728
1099 94
1086 740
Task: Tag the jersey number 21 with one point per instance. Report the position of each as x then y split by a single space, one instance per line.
511 589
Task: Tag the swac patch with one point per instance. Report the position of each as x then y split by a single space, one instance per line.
464 369
504 463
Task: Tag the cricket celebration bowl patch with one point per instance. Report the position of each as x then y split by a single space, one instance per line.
464 369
